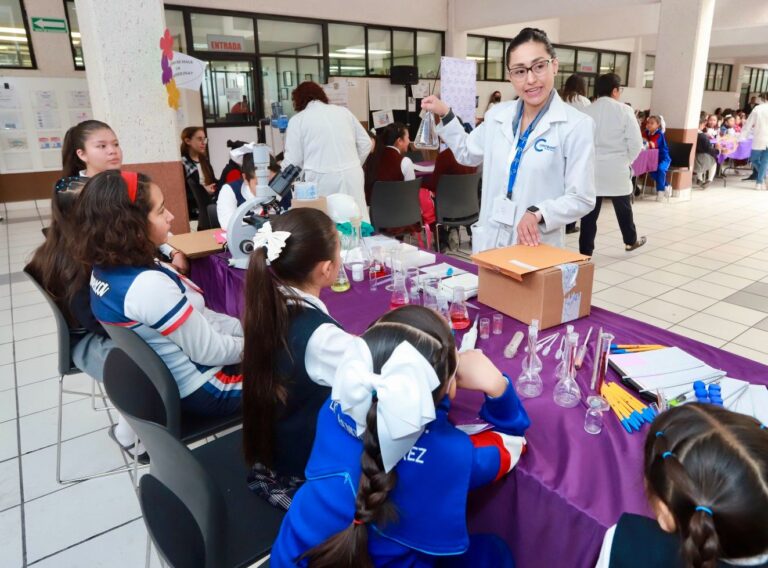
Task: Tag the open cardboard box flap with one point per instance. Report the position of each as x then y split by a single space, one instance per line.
197 243
518 260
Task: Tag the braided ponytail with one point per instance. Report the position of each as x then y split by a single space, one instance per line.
701 546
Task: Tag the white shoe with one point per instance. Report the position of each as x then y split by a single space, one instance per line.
661 196
759 186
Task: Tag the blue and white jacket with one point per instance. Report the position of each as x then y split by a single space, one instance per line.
168 311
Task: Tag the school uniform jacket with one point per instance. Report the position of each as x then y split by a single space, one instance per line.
431 491
168 311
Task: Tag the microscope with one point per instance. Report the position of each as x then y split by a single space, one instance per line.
252 214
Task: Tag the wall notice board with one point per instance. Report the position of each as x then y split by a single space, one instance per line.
34 115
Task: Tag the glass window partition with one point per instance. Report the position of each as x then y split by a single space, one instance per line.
346 49
379 51
15 48
402 48
228 34
290 38
429 49
229 92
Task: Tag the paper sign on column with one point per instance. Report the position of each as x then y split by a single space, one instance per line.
187 71
458 86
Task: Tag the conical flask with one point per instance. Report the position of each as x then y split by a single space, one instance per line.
354 250
426 137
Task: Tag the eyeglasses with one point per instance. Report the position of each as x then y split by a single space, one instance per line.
201 139
539 69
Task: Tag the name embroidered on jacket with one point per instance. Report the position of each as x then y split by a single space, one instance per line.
99 287
541 144
416 455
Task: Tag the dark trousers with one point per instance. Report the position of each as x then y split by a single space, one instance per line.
623 208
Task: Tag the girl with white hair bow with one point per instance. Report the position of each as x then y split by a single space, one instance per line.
388 477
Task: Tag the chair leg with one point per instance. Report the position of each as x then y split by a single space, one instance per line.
58 429
101 396
437 236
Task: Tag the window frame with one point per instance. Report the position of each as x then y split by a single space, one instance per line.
28 30
69 34
713 84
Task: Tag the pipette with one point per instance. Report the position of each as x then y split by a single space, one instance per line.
548 348
582 350
470 338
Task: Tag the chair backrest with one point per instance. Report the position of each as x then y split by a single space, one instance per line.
171 525
203 200
457 197
680 154
395 204
179 471
62 330
141 356
213 217
130 389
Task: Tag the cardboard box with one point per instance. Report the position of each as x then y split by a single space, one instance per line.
320 203
546 283
197 244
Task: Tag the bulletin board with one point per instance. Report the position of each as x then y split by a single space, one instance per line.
35 113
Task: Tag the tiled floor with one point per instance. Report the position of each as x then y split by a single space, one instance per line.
703 274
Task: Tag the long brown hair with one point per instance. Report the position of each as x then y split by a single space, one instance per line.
701 458
266 320
430 335
53 265
114 231
307 92
205 163
74 140
385 136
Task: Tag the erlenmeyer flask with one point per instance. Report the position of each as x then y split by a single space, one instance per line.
399 296
458 312
354 249
426 137
341 284
529 383
567 392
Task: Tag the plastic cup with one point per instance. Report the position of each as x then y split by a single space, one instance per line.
484 326
498 324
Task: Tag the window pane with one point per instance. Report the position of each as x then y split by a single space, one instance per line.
14 43
403 48
223 33
311 70
586 62
718 78
225 85
74 35
710 77
495 60
347 49
429 49
607 63
379 51
621 67
476 51
567 60
174 21
288 38
727 69
650 65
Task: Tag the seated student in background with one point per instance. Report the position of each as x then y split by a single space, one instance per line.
123 220
388 476
655 138
728 126
292 348
234 194
712 126
706 157
706 476
231 171
197 167
446 164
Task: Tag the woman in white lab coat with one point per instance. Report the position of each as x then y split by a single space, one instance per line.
328 143
537 153
617 144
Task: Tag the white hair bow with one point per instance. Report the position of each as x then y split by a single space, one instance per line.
404 391
237 153
274 241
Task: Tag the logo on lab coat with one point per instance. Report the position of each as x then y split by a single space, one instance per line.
541 144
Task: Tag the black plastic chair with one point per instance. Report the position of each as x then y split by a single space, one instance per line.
196 504
155 394
202 200
67 368
213 217
395 204
457 202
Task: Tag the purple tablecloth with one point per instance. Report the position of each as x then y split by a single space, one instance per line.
570 486
743 152
646 161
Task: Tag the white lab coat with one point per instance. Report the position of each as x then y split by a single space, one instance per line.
330 145
617 143
556 171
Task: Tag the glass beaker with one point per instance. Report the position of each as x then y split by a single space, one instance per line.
341 284
529 383
429 286
399 292
426 136
458 311
377 262
567 392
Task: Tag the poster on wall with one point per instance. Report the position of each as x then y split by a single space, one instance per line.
458 87
187 71
46 119
13 142
383 95
8 98
337 93
78 116
44 99
79 99
382 117
11 120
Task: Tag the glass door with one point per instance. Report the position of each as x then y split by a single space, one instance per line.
229 92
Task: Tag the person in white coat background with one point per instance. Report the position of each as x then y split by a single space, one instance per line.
328 143
617 143
537 153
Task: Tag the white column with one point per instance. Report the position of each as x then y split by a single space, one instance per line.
121 48
682 47
455 39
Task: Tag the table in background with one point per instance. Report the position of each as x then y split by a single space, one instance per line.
743 152
570 486
647 161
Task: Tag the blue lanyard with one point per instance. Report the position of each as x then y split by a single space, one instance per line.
523 140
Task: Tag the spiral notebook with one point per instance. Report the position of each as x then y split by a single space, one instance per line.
662 369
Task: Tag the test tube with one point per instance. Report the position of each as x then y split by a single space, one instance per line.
498 324
601 362
484 327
